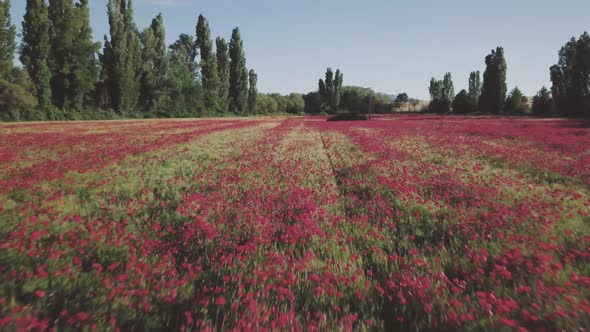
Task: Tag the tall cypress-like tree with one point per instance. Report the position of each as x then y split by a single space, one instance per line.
330 90
85 67
474 87
493 93
61 37
209 74
72 56
7 41
223 72
154 98
252 91
121 59
34 49
238 75
16 103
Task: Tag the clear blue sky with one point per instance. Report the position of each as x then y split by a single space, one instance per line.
392 46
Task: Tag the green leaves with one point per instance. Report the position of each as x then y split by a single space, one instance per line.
542 102
493 94
7 42
441 94
253 91
34 50
154 93
121 58
330 90
516 103
223 66
571 77
238 75
209 72
72 54
474 86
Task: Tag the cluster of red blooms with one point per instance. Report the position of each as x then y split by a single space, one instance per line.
408 222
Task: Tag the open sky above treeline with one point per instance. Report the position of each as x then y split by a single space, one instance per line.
391 46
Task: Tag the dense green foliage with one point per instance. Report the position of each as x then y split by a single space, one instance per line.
474 87
442 93
223 65
252 91
121 62
34 50
542 102
493 92
516 102
238 75
463 103
186 92
154 95
7 42
358 99
330 90
401 101
209 72
275 103
16 100
72 54
138 75
571 78
348 117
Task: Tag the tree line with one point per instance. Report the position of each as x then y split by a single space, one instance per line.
135 74
66 75
569 95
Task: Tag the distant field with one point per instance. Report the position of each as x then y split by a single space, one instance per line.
405 222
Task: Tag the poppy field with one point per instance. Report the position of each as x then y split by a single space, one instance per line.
277 223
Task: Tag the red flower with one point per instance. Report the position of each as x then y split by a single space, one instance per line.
189 317
220 301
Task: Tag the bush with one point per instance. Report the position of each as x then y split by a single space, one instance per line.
463 104
439 106
542 103
16 103
348 117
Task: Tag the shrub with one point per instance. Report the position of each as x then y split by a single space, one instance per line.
348 117
16 103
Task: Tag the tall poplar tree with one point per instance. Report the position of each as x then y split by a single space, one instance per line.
474 87
330 90
154 98
209 74
238 75
252 91
223 72
448 88
72 56
7 41
85 66
494 89
121 59
34 49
